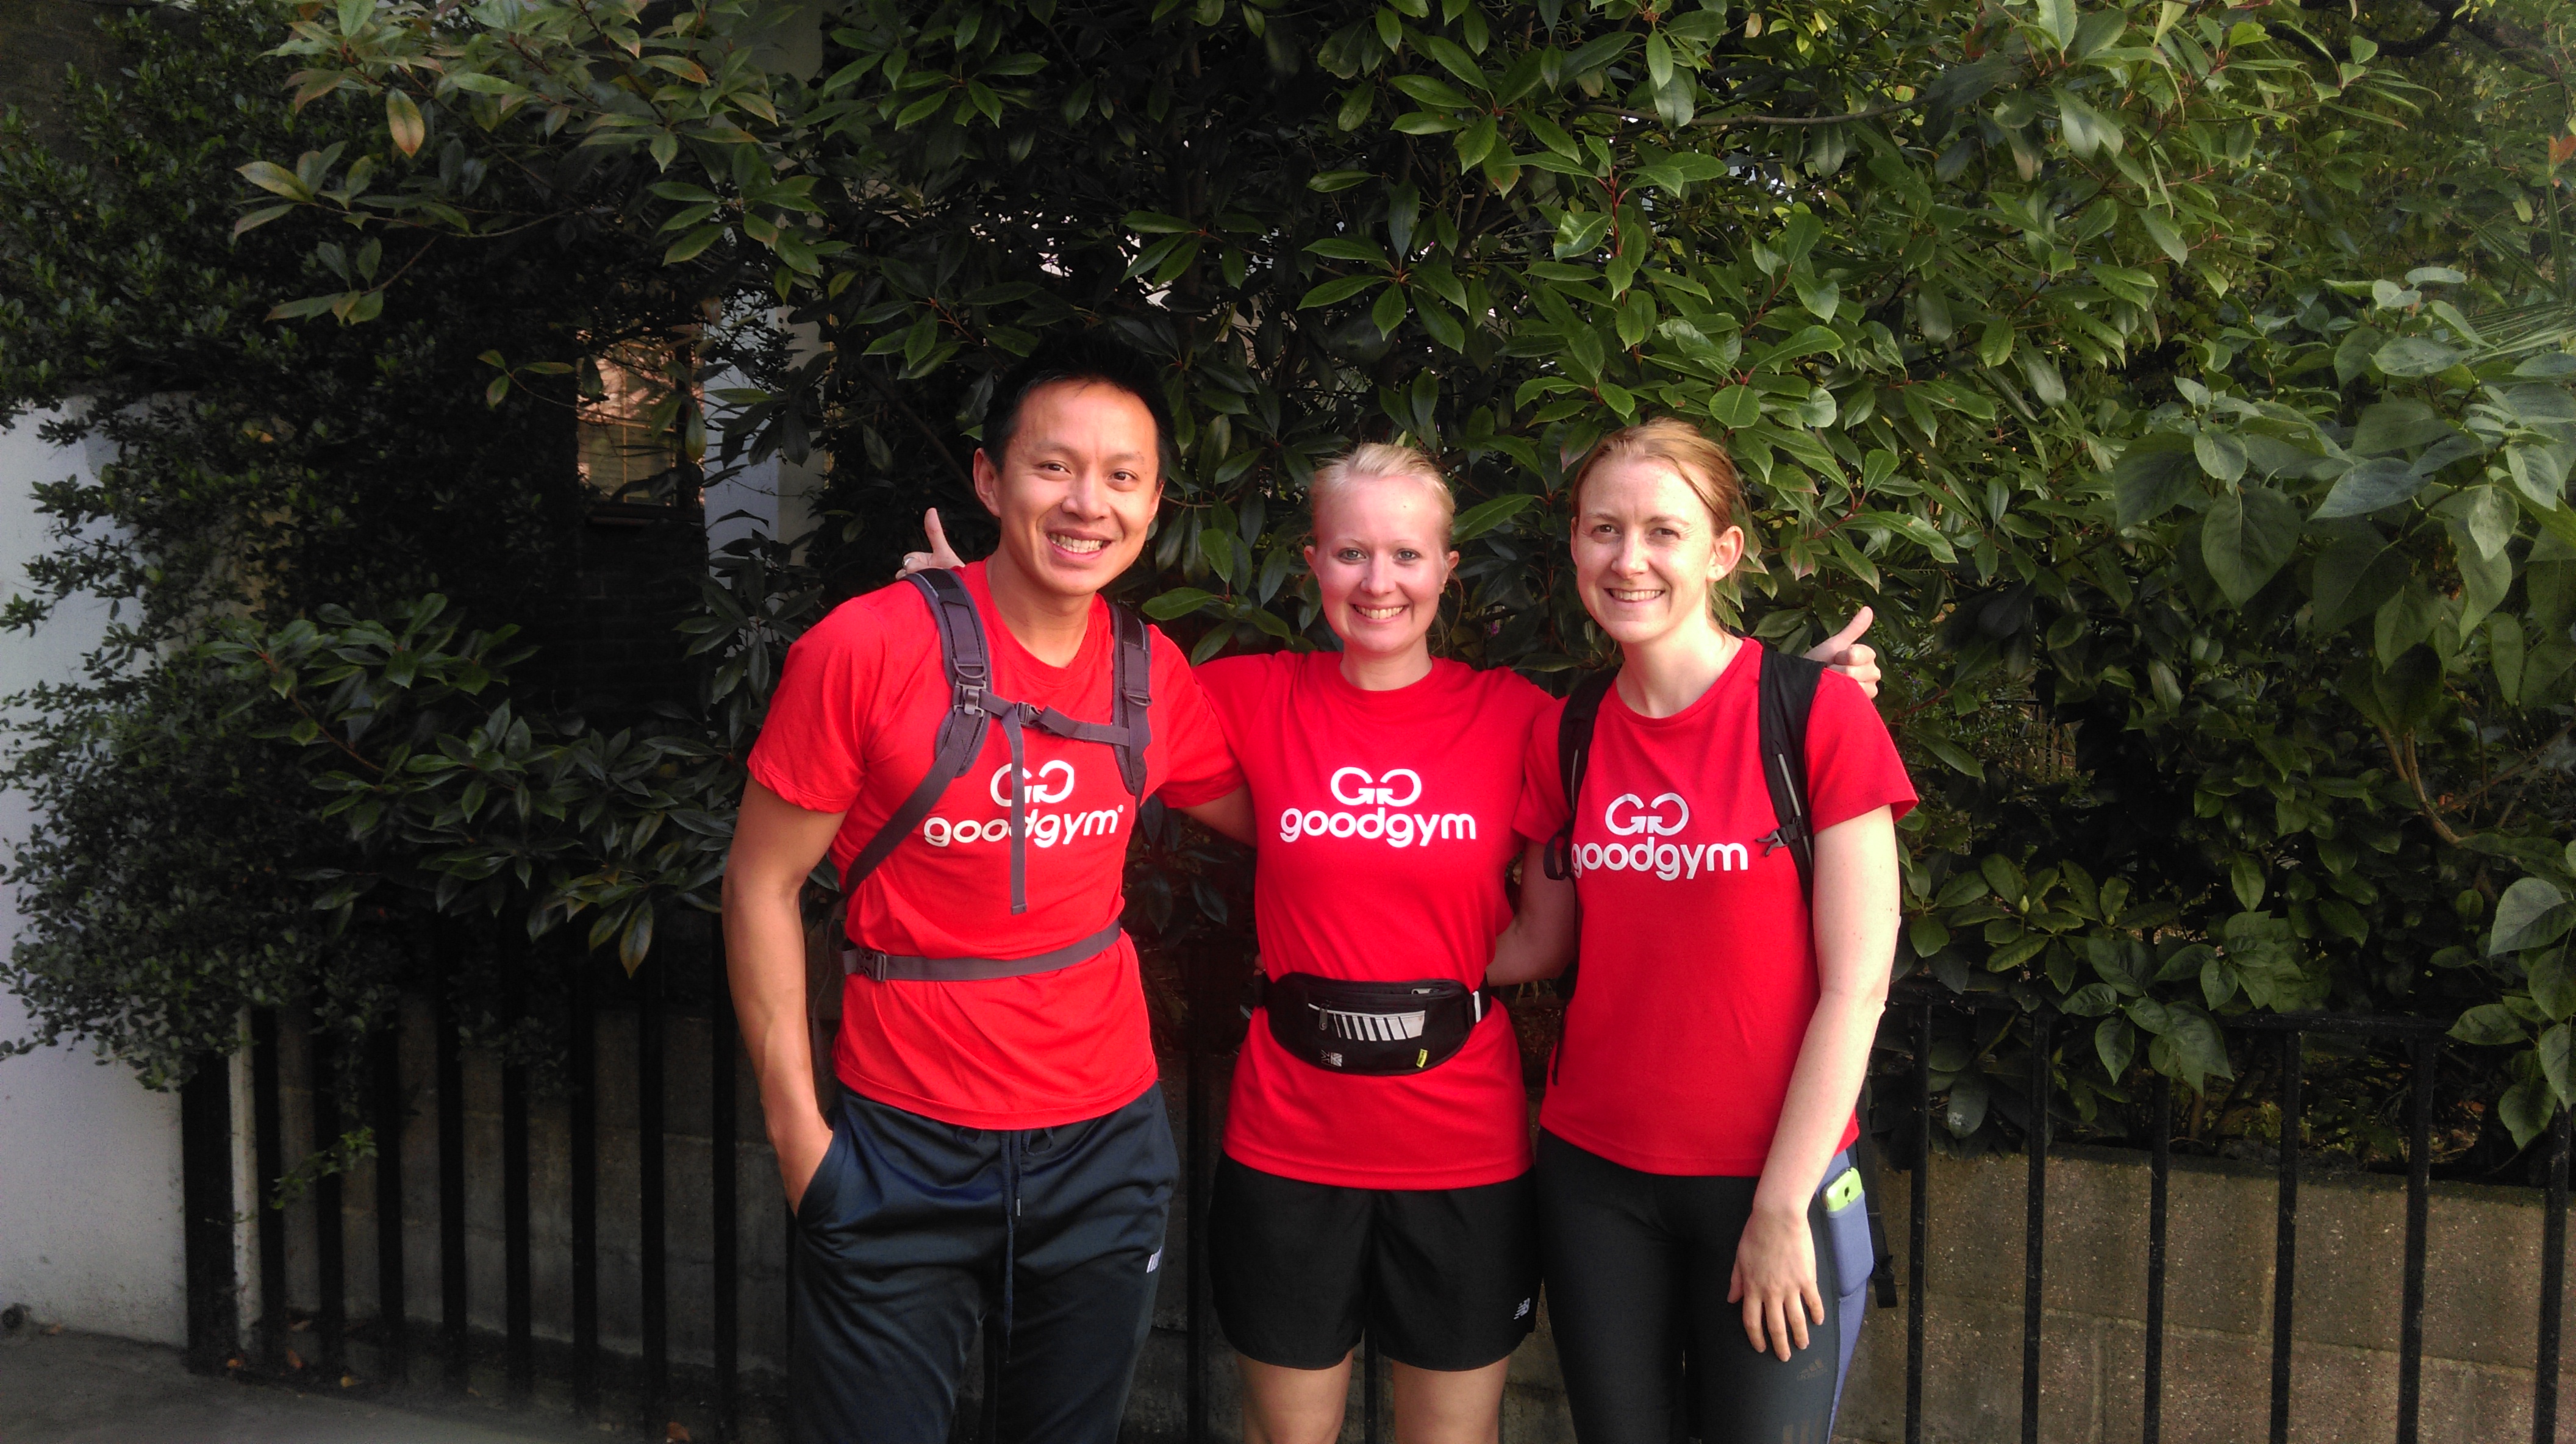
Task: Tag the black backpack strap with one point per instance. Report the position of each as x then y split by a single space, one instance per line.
1788 689
962 655
1882 1267
1131 709
974 709
883 966
1130 724
1129 727
1573 754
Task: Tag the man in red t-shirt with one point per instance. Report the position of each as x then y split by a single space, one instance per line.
1000 1149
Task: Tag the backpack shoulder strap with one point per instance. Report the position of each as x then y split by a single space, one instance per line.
1788 688
1573 754
968 664
1131 708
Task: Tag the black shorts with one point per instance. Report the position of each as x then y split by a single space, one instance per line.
1442 1278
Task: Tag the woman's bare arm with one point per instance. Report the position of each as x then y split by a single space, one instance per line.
1856 914
1540 941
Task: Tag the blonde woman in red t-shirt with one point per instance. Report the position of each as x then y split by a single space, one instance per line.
1377 1145
1699 1217
1376 1168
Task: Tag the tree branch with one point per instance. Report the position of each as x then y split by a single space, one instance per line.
930 434
2446 13
1721 122
2403 759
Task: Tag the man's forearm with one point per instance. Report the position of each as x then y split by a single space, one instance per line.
775 847
765 967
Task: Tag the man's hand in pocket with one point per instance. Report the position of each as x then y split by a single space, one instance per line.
800 1149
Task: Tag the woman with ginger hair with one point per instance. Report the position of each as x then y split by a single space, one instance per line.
1700 1216
1376 1169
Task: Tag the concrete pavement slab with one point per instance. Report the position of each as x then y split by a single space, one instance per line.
83 1389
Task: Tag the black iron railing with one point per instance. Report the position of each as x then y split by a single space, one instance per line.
644 1387
320 1338
2422 1037
216 1339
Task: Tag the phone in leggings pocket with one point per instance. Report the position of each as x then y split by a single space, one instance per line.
1847 1224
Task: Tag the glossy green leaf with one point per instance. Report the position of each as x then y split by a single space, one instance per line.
1178 602
2532 913
2157 471
2246 538
1337 291
1735 408
2057 19
1488 516
2369 486
2488 1025
2166 235
2413 356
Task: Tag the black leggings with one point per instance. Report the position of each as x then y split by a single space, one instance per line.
1637 1271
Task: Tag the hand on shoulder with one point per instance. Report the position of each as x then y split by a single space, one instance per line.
1847 654
941 554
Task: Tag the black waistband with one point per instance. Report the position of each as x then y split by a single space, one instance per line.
1369 1028
1343 995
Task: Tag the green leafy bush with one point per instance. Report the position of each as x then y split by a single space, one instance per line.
260 470
2183 385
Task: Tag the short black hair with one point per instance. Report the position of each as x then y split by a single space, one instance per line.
1091 355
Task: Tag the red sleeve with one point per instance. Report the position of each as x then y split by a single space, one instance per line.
1197 765
1231 685
1852 766
1543 809
812 745
1236 689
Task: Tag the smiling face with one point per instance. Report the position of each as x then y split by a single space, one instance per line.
1381 556
1077 488
1647 551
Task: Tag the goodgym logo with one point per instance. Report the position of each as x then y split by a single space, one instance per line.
1630 815
1372 809
1034 787
1051 783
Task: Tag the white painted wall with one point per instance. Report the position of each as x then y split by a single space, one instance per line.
773 497
89 1160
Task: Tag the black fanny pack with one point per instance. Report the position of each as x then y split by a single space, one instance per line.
1369 1028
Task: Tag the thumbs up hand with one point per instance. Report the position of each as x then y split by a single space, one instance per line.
941 554
1845 653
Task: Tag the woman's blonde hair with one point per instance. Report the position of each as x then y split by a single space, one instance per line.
1372 459
1702 463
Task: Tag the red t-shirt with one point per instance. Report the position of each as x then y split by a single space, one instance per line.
1384 822
851 729
1699 967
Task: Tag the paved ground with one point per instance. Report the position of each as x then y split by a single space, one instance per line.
82 1389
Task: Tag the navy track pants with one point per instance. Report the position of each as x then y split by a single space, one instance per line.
915 1232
